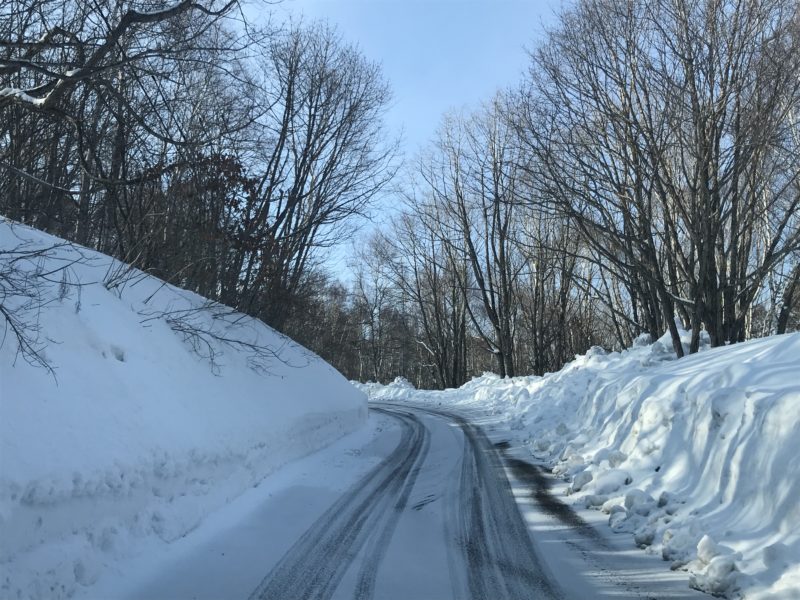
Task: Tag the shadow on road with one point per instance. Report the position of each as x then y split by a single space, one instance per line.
538 482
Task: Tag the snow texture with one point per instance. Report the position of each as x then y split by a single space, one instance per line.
696 458
156 414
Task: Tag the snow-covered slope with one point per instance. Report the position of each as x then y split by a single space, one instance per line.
698 458
136 434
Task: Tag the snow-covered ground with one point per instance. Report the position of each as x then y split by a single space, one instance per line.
162 408
155 413
696 458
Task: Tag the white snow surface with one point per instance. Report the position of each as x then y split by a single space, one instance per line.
135 438
697 459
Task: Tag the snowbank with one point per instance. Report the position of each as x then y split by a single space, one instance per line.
156 413
696 458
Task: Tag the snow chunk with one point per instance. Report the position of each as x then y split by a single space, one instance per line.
580 480
719 578
611 481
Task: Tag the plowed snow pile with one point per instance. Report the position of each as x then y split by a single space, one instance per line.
160 408
698 459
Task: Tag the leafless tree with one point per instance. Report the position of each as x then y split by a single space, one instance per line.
321 157
662 130
472 179
422 270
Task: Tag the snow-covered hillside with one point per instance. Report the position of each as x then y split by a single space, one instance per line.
155 413
696 458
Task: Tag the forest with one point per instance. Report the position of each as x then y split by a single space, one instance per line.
644 176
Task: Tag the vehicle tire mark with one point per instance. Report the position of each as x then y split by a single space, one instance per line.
501 560
380 543
316 563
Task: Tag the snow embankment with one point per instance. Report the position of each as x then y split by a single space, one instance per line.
696 458
160 408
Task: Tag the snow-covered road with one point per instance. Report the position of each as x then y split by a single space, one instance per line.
420 506
434 519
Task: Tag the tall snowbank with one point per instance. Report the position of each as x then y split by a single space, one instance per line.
696 458
135 435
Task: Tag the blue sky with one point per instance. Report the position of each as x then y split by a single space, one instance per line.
437 54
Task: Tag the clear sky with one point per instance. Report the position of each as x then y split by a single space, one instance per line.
437 54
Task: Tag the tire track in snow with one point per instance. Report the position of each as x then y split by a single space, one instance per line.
316 563
379 544
496 546
491 554
502 560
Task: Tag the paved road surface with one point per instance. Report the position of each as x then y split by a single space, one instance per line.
418 506
465 513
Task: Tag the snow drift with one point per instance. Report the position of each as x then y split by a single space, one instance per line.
696 458
160 408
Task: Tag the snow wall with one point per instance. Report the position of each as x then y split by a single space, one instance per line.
155 413
698 458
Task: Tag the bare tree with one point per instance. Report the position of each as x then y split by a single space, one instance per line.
321 158
472 178
422 270
661 129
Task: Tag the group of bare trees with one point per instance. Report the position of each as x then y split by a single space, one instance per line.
644 178
647 170
666 131
186 141
487 279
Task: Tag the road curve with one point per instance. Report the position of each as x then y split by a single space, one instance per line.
436 518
